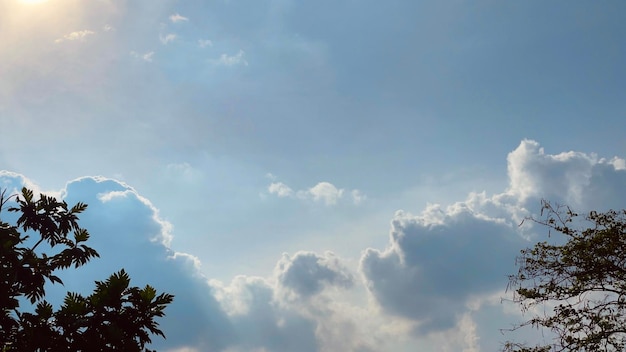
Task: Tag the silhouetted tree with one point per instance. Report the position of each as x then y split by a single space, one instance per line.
45 239
579 284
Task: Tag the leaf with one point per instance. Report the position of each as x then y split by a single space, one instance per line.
78 208
44 310
81 235
54 278
27 194
148 293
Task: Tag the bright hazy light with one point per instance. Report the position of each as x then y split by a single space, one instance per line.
32 2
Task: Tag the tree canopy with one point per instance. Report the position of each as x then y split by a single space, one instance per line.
45 239
579 283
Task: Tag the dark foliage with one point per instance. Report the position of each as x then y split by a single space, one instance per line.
115 317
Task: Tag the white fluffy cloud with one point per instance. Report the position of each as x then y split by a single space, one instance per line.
323 192
582 180
435 264
280 189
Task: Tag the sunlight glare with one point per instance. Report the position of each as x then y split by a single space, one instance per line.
32 2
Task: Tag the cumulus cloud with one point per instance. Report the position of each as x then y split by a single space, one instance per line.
78 35
533 173
582 180
436 261
280 189
306 273
262 324
299 309
324 192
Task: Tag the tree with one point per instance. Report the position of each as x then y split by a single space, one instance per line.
580 283
115 317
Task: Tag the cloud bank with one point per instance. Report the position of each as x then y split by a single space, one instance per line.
440 270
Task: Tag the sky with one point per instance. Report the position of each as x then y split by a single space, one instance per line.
316 176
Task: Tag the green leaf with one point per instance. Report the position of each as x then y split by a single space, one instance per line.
44 310
148 293
81 235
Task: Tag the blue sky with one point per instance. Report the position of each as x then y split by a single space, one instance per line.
316 176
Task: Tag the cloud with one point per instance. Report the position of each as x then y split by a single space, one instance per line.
165 39
532 173
358 197
324 192
436 261
73 36
618 163
262 324
233 60
306 273
300 309
128 232
13 182
247 314
280 189
581 180
175 18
